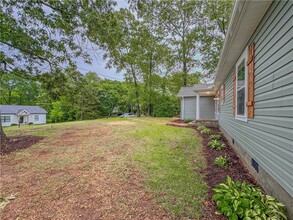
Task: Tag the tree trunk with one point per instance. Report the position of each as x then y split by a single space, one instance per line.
9 96
184 74
3 137
136 92
184 52
82 103
150 109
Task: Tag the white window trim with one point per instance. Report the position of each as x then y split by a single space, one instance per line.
37 117
241 58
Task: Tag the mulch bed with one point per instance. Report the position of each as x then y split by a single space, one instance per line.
18 143
180 123
214 174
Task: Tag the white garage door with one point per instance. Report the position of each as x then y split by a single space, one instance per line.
189 108
206 107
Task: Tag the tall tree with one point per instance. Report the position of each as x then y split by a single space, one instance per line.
179 22
16 90
214 21
155 53
39 36
123 46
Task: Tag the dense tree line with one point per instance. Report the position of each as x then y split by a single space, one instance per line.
72 96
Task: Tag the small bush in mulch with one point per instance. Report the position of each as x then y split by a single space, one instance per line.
216 145
238 200
221 161
201 127
206 131
18 143
187 121
215 137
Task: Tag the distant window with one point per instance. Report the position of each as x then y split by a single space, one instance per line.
36 117
5 118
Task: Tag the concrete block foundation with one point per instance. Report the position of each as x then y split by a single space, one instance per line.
207 122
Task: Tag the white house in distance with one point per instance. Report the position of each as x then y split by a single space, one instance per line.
12 114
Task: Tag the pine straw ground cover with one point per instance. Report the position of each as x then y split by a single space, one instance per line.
105 169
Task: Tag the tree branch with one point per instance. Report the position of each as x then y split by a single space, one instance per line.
28 52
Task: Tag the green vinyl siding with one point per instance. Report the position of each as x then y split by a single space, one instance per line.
268 137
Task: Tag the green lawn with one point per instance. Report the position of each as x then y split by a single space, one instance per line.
109 168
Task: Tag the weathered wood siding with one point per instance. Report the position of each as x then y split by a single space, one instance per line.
206 107
268 138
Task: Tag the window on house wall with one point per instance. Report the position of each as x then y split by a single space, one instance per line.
36 117
5 118
241 87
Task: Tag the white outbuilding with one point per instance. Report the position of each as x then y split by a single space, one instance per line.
23 114
197 102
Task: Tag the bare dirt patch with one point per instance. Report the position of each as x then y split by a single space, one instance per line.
18 143
179 123
115 123
90 187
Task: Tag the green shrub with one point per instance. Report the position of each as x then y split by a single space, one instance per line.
187 121
201 127
244 201
217 145
221 161
206 131
215 137
13 124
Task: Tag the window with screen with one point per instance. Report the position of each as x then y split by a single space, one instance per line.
241 89
5 118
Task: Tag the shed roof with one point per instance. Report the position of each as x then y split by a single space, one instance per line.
186 91
190 91
16 109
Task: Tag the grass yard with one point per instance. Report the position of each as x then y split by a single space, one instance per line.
105 169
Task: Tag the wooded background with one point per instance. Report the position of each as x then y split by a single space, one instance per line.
158 45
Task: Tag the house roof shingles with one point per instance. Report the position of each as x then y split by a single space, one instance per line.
186 91
16 109
191 90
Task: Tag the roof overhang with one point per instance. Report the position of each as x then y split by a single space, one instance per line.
204 89
207 93
245 17
186 96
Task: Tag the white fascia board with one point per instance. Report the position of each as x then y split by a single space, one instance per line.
184 96
245 17
24 112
